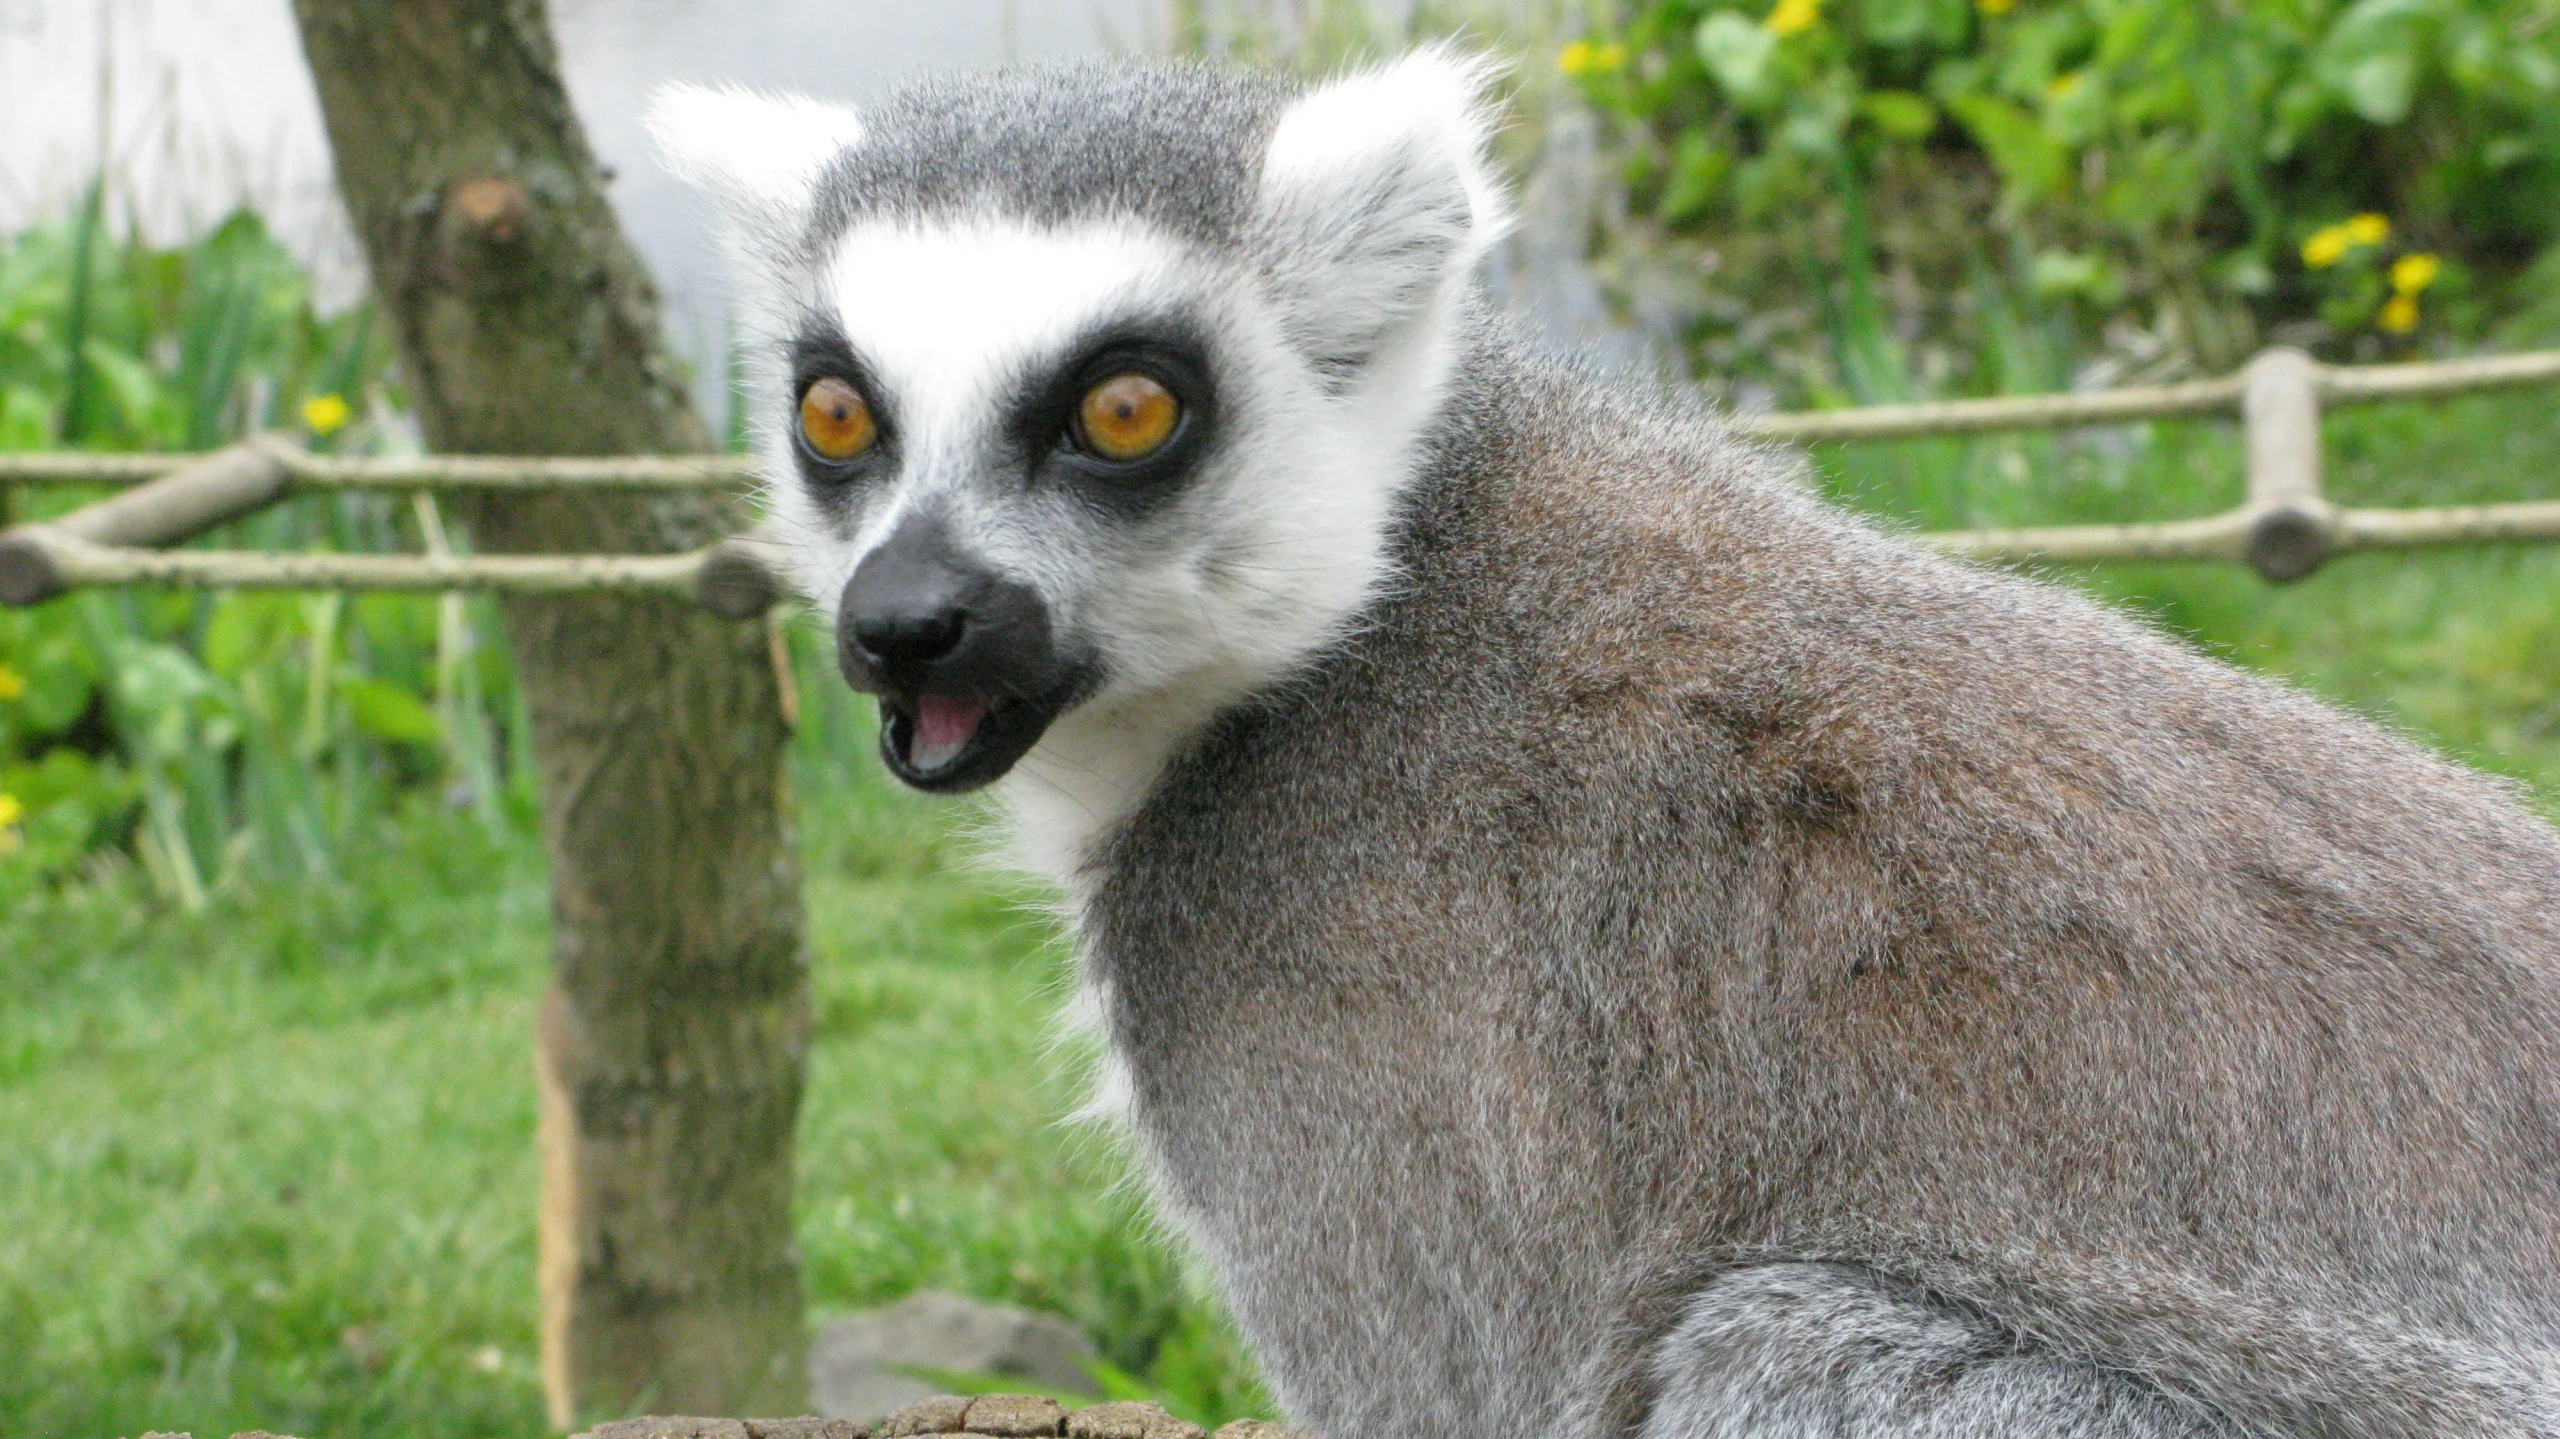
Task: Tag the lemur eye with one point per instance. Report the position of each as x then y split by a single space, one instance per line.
1127 417
836 420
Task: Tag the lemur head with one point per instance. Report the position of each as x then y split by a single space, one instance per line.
1091 389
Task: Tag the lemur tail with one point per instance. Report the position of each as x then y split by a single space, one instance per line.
2296 1365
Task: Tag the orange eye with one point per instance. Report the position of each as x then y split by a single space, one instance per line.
1127 417
836 421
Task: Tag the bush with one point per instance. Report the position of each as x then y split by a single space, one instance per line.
217 737
1883 196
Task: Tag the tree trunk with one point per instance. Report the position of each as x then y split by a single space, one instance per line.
673 1038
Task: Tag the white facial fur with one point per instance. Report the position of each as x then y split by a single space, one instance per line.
1327 337
1272 545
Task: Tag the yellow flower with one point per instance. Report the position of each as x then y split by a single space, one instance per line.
1794 17
2399 314
10 810
2414 272
1582 58
13 685
2063 85
1995 7
326 414
2329 245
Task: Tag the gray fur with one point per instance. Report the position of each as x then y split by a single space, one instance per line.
1682 963
1820 1349
1675 876
1177 146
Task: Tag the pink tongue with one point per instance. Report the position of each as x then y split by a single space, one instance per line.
943 728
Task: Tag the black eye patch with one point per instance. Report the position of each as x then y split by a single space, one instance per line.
1043 427
820 352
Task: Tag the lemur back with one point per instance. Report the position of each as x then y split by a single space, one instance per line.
1588 940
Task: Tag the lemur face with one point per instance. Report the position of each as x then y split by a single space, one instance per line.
1037 497
1090 390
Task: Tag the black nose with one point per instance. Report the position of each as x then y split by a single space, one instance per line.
898 636
909 603
920 616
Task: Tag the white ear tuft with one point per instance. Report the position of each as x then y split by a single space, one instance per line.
1376 200
760 155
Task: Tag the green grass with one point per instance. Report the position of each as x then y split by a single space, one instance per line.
271 1165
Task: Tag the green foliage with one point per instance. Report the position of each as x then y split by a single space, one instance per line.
2150 177
218 740
114 345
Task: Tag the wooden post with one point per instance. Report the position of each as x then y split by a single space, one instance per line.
2292 530
673 1039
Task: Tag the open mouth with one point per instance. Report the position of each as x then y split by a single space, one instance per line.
950 743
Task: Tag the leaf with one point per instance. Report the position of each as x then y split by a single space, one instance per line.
2029 161
162 694
1814 123
1698 169
2370 57
2057 273
386 711
245 631
2379 86
60 675
1900 113
66 799
64 773
1737 52
1897 22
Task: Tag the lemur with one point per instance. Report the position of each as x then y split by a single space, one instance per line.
1589 939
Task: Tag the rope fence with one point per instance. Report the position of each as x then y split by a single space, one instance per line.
2284 529
122 540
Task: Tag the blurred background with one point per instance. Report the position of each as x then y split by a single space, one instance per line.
272 916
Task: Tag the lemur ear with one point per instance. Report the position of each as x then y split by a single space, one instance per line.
760 156
1376 202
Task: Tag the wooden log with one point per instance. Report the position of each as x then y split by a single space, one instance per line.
668 1426
75 562
180 505
2015 412
73 468
994 1416
732 578
2373 384
742 576
2228 536
2219 537
2528 520
419 472
504 474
